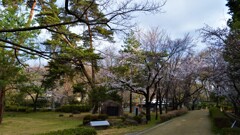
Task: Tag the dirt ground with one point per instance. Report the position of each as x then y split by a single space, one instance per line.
194 123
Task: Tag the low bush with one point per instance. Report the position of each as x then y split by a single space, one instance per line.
75 131
102 116
138 118
88 118
164 117
230 131
74 108
215 112
172 114
220 120
17 109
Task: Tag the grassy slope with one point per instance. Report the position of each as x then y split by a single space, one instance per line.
33 123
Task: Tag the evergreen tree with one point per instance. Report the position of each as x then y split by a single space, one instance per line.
12 57
232 50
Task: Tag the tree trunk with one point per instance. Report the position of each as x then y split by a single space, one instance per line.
174 106
31 14
157 100
35 103
148 110
166 103
93 61
193 103
130 102
2 96
160 98
95 109
160 106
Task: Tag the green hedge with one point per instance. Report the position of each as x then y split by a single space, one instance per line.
220 120
74 108
230 131
17 109
75 131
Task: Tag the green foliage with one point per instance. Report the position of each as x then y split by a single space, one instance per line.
101 94
234 6
138 118
14 98
220 120
74 108
8 68
230 131
232 48
102 116
75 131
131 44
70 50
78 88
17 109
16 18
215 112
221 123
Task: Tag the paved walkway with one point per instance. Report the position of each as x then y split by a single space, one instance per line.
193 123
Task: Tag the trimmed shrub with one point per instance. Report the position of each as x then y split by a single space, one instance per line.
75 131
88 118
172 114
132 122
74 108
138 119
164 117
102 116
230 131
215 112
17 109
221 122
219 119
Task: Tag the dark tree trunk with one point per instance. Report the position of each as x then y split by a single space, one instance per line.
35 103
148 105
157 100
193 106
2 96
193 103
130 102
166 104
148 110
95 109
174 104
160 106
160 98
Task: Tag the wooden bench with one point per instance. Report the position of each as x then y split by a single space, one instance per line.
100 124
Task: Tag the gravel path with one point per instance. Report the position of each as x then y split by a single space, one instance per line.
194 123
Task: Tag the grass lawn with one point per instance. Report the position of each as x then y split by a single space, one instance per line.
42 122
34 123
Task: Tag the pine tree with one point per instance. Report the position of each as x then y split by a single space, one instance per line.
12 58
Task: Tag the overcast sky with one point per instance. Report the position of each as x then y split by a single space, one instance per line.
186 16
